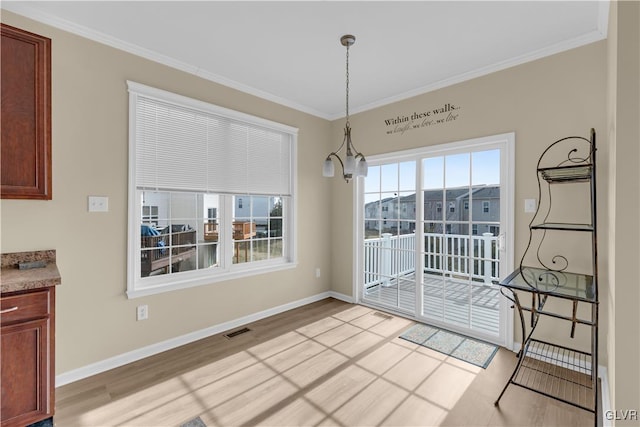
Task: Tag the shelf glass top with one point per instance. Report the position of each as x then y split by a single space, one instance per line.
559 284
563 226
573 173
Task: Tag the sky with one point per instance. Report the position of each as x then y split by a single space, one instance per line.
451 171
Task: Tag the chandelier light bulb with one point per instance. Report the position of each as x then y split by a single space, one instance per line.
350 165
363 168
328 170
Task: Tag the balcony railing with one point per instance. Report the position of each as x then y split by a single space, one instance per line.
452 255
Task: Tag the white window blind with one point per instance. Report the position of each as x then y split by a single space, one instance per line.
183 144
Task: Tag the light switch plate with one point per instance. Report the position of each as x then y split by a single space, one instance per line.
530 205
98 204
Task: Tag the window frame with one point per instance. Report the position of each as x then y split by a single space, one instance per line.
138 286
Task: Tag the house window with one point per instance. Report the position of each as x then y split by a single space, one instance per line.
474 229
189 161
485 207
439 207
452 207
466 205
150 215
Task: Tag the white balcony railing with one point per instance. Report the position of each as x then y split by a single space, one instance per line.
391 256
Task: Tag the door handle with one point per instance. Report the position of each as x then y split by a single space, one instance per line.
501 243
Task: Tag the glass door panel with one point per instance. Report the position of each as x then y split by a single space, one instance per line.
389 236
461 213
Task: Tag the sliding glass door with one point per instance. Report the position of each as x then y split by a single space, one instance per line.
435 233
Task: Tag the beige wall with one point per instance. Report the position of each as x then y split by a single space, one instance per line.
95 320
623 112
540 101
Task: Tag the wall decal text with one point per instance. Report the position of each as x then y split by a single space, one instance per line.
417 120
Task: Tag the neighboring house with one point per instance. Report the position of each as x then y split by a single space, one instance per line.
391 213
156 207
455 205
485 208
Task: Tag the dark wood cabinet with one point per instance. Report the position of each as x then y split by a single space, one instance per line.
27 356
25 88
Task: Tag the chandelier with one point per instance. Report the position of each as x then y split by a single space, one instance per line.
354 163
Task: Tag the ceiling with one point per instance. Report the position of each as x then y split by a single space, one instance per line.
289 51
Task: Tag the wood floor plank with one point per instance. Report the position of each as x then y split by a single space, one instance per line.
372 405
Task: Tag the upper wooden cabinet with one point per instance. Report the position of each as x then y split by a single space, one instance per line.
25 89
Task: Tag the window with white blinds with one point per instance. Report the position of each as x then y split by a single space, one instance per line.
187 145
193 164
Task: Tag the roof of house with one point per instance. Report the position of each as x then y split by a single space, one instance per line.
483 192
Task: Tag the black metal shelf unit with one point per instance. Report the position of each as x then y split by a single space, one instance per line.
555 370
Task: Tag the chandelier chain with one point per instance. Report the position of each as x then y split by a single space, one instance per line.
347 86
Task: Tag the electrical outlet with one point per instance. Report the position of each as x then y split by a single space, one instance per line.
98 204
142 312
317 273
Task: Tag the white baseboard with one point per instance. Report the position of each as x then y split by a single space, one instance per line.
341 297
606 399
150 350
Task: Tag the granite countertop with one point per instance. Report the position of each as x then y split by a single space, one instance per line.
13 279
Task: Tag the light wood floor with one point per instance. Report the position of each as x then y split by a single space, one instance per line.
326 364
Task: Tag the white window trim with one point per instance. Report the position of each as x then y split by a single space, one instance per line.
201 277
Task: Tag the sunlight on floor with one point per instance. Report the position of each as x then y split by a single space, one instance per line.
346 369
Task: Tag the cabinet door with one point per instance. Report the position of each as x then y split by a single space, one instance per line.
26 115
24 365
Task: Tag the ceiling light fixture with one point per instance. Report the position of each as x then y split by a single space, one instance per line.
351 165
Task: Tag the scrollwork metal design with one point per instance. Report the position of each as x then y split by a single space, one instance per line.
558 262
572 154
575 156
